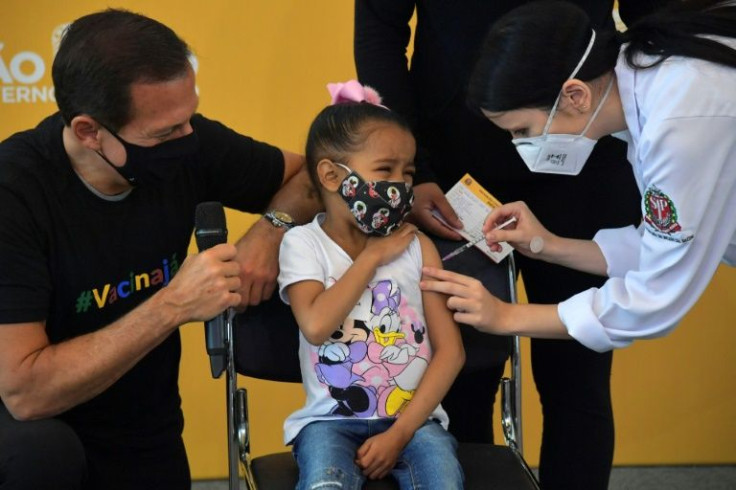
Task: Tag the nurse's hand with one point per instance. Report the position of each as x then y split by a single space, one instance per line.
474 305
527 235
469 300
429 197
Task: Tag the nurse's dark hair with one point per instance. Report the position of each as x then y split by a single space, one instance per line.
342 129
530 52
102 54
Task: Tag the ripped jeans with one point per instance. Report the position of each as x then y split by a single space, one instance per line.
325 453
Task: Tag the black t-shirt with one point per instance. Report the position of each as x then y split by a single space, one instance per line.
79 261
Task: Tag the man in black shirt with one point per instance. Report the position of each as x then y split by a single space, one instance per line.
96 213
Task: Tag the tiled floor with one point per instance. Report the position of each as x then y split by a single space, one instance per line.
627 478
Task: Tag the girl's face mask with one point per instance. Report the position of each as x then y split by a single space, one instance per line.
563 154
379 206
151 164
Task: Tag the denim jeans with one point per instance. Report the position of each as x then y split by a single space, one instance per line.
325 452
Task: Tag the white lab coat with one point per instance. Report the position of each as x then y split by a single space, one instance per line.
681 118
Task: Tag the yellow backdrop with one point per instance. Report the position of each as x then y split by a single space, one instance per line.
262 69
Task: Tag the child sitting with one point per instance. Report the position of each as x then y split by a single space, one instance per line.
377 354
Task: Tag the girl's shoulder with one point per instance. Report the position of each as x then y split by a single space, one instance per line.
301 236
430 255
310 229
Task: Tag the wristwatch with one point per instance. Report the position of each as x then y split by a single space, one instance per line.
279 219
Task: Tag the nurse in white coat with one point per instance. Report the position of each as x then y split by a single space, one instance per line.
670 92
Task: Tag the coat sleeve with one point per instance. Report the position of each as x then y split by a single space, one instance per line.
689 206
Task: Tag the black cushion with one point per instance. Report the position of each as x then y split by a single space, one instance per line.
279 472
266 342
491 467
486 467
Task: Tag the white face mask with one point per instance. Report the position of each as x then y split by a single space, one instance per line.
563 154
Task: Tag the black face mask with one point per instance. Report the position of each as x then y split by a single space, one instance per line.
151 164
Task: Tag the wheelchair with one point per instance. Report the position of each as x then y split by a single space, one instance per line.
263 343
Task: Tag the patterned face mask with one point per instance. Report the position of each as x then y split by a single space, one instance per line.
378 206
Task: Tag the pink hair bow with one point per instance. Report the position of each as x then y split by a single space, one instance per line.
353 91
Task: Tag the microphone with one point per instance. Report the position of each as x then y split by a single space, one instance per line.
210 230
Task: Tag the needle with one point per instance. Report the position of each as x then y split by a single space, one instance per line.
468 245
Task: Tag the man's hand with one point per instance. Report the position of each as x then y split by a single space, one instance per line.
258 256
40 379
206 284
429 197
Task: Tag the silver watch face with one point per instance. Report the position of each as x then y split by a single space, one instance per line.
279 218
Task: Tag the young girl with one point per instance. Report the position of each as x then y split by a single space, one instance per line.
377 354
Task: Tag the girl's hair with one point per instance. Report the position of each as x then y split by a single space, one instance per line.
340 130
530 52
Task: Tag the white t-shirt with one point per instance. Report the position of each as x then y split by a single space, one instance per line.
681 118
374 361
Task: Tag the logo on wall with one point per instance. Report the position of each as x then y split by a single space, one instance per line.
22 74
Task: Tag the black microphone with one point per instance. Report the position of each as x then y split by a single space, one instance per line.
210 230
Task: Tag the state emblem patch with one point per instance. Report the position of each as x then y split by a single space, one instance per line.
661 216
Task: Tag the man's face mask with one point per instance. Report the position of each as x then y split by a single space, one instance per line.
151 164
563 154
378 206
